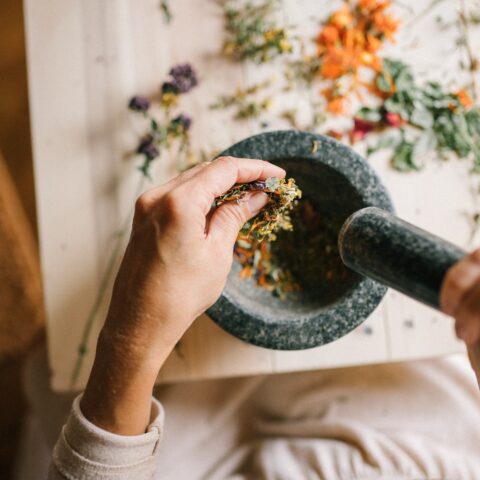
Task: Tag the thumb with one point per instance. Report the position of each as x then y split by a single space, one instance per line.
230 217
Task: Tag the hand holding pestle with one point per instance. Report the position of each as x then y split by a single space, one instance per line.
393 252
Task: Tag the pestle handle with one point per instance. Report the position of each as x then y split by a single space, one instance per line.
381 246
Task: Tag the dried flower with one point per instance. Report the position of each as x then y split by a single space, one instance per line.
139 103
169 87
393 120
251 34
464 98
245 101
349 42
181 124
184 77
147 147
360 129
275 215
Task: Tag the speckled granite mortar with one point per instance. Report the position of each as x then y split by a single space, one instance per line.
337 180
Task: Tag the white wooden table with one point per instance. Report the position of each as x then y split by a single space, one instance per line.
86 58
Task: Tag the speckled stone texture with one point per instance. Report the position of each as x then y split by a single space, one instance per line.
339 182
396 253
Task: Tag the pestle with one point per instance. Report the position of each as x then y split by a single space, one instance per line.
396 253
381 246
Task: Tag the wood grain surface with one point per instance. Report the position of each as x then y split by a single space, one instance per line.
83 70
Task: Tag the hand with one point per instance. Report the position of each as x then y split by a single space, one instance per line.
174 268
460 297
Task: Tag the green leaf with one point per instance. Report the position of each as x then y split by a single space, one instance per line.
383 84
425 144
369 114
153 124
473 121
403 159
421 117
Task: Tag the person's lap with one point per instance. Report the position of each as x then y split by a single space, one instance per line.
384 421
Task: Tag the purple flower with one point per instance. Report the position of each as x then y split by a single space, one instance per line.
182 121
258 185
139 104
147 147
184 77
169 87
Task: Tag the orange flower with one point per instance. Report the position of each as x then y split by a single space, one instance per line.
350 42
464 98
246 272
373 43
335 64
342 17
329 35
371 6
337 105
385 24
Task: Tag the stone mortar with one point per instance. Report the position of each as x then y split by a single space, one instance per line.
339 181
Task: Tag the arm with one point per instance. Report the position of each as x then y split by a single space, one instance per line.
175 267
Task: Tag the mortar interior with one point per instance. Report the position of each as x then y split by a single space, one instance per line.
333 196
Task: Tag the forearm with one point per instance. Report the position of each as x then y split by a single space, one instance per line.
118 394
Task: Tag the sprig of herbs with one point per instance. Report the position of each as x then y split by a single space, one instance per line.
253 246
284 266
252 34
173 127
245 101
426 117
166 10
275 215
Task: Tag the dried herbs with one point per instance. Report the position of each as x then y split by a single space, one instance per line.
349 44
301 261
309 253
245 101
425 118
166 10
173 128
288 247
251 34
275 215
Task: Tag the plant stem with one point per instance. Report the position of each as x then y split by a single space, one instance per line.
472 60
102 290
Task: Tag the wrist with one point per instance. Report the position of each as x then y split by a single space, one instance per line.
118 394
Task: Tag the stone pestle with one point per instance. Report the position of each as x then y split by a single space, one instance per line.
381 246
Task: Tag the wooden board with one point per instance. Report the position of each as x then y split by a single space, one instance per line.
82 71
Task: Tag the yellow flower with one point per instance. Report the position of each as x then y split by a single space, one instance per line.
229 48
168 99
271 35
285 46
267 103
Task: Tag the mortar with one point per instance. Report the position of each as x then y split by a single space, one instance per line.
338 181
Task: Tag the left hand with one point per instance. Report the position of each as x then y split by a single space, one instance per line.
175 266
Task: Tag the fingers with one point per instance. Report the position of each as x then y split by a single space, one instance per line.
208 180
224 172
148 198
458 282
228 219
467 317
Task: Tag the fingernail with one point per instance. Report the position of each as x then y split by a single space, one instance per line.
256 202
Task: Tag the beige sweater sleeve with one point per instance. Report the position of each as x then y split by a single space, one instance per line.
85 451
